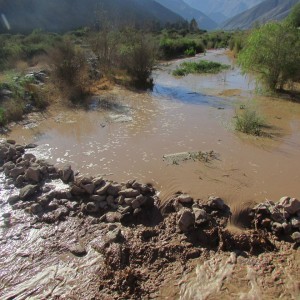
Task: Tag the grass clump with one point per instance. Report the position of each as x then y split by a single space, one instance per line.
249 122
202 66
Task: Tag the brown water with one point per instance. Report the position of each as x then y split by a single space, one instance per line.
181 114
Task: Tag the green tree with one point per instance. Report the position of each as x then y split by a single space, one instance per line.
294 17
273 52
194 25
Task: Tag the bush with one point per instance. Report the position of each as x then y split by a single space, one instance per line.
70 71
202 66
249 122
190 52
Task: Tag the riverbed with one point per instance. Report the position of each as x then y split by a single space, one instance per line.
193 113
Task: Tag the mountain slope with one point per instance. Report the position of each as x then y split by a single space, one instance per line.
187 12
266 11
63 15
219 10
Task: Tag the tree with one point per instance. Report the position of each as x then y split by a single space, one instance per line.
294 17
273 52
194 25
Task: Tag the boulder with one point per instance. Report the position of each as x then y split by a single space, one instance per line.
102 190
89 188
186 220
77 191
33 175
77 250
201 216
129 193
114 190
291 205
295 222
91 207
98 198
29 157
28 191
66 174
15 172
184 198
36 208
216 203
13 199
296 236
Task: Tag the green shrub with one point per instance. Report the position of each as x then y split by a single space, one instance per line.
190 52
202 66
249 122
2 116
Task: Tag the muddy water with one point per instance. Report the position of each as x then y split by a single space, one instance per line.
192 113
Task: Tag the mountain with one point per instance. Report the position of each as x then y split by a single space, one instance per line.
63 15
220 10
266 11
188 13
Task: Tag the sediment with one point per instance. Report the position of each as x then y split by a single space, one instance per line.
112 240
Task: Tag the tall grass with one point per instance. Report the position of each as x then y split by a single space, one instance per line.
249 122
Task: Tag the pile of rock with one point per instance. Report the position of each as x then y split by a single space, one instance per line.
106 200
192 214
281 218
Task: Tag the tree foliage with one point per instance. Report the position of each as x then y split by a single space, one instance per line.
273 52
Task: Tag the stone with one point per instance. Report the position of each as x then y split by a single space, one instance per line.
201 216
110 200
15 172
28 191
77 191
36 208
287 227
186 220
29 157
136 185
66 174
91 207
12 142
112 217
216 202
13 199
184 198
129 193
291 205
102 190
89 188
31 146
113 236
33 175
6 215
77 250
296 236
98 198
135 204
98 181
295 222
266 223
114 190
277 227
129 201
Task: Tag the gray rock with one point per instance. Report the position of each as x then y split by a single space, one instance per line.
137 211
15 172
6 215
66 174
13 199
201 216
28 191
186 220
295 222
216 202
98 181
77 191
296 236
112 217
135 204
291 205
33 175
129 201
98 198
114 190
91 207
29 157
89 188
31 146
102 190
78 250
184 198
129 193
36 208
110 200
